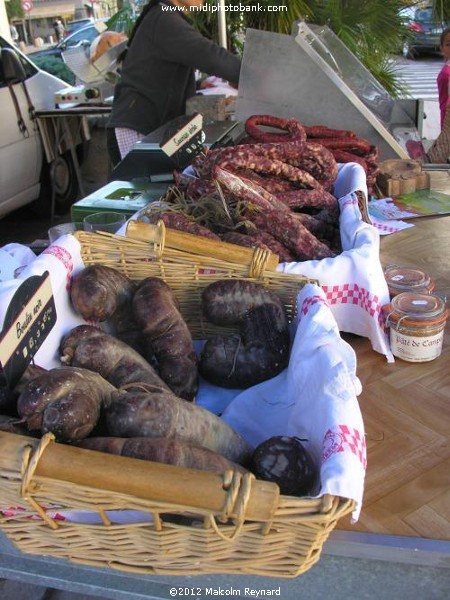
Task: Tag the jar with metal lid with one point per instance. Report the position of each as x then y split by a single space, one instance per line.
407 279
417 323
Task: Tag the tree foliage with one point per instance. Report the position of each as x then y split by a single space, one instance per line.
55 66
14 10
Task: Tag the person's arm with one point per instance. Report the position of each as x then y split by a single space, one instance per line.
182 43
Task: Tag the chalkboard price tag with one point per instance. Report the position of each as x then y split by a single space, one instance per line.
30 317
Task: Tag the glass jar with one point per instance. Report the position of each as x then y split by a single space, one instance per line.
417 323
407 279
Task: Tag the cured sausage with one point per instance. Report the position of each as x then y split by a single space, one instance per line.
310 199
227 301
243 239
156 310
247 190
260 351
319 161
273 244
176 220
322 131
355 145
290 232
294 130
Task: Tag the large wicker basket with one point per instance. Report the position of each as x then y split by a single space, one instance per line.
207 523
172 521
187 270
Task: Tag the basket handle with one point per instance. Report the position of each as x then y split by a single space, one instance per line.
202 246
145 480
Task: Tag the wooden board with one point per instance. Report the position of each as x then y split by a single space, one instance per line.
406 411
397 176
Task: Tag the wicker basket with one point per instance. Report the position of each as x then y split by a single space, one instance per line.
188 522
188 273
217 524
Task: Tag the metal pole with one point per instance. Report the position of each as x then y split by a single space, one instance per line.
222 22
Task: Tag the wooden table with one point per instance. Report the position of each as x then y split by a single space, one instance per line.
406 410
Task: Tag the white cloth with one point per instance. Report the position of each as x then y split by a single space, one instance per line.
217 87
315 399
61 259
353 282
12 257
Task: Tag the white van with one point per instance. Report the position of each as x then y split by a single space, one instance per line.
24 171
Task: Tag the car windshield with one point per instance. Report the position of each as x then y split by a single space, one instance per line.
85 34
425 15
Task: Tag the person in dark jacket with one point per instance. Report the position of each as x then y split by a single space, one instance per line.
157 75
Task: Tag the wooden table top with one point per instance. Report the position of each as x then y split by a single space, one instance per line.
406 408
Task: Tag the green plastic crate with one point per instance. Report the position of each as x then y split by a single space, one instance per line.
118 196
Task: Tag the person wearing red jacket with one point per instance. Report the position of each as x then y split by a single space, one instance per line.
157 75
440 150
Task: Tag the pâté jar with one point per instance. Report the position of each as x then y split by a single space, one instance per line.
416 323
407 279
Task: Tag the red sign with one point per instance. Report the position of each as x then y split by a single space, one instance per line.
26 5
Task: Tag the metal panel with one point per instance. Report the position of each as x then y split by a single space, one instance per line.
302 77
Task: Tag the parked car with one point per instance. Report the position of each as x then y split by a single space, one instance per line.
76 24
83 36
24 171
425 27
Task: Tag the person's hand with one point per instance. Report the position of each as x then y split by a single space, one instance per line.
206 84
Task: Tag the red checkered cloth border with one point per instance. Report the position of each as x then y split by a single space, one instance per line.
348 293
352 293
345 439
350 200
65 257
385 228
311 301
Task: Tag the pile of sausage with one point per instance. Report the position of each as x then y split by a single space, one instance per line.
133 392
282 182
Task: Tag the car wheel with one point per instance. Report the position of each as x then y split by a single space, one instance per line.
65 182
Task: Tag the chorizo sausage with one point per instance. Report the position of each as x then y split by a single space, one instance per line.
292 127
179 221
291 233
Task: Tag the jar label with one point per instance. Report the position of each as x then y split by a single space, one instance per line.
416 348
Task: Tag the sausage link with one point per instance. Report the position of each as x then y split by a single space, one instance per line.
307 199
292 127
290 232
179 221
227 301
322 229
273 244
242 239
322 131
198 187
355 145
261 164
318 161
343 156
247 190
